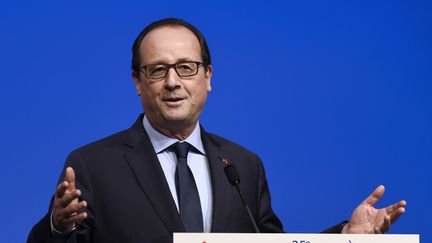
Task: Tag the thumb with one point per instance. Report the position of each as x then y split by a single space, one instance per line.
70 178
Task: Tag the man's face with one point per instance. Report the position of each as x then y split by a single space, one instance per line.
172 103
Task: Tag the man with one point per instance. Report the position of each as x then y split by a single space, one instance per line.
165 174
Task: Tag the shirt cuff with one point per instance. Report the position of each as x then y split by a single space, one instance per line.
56 231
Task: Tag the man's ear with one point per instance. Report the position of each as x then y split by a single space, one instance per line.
137 81
208 76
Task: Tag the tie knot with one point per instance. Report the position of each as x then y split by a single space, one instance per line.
181 149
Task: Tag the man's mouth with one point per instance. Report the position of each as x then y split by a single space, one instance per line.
173 101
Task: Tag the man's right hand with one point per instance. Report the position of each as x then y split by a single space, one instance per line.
66 211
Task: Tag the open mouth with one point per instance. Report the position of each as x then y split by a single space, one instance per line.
174 101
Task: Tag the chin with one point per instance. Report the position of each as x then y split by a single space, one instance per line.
175 117
179 114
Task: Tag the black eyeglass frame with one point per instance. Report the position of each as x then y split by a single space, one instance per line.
169 66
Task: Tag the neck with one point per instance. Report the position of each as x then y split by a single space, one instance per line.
174 133
175 130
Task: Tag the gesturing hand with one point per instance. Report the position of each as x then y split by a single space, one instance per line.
369 220
66 211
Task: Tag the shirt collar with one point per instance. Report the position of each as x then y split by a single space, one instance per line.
161 142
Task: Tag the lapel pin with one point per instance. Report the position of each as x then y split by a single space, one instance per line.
225 161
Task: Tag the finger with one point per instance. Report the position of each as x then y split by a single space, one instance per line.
61 189
396 214
386 224
68 198
73 209
70 177
380 229
375 196
377 230
390 209
74 219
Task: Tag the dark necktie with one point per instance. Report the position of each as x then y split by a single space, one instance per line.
187 192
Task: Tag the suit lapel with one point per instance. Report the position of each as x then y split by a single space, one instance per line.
220 185
145 165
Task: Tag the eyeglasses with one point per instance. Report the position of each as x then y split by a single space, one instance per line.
160 71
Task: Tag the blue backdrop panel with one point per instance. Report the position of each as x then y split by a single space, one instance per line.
334 96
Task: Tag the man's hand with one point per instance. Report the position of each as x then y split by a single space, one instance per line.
368 220
66 211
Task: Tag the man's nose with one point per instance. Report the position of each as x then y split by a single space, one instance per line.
172 80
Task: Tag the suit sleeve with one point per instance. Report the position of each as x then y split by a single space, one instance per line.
41 232
268 222
337 229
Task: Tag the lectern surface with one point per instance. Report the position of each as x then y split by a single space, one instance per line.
293 238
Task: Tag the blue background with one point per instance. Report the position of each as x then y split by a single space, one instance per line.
335 96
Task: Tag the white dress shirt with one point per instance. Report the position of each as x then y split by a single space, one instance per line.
197 162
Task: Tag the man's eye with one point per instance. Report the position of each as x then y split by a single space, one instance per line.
157 70
184 67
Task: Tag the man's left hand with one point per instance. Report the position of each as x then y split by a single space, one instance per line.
369 220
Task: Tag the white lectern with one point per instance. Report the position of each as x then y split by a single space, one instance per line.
293 238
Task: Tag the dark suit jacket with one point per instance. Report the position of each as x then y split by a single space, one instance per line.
129 200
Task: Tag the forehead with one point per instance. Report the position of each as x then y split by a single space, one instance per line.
169 44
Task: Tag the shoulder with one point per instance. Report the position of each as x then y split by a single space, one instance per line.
233 149
116 141
112 141
100 152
